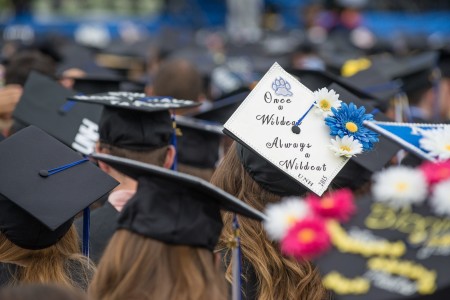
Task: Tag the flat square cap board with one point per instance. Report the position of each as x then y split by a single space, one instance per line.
135 101
44 182
43 104
263 123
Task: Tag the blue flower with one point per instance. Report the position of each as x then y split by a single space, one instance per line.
348 120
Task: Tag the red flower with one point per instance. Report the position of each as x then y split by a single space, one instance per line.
334 205
306 239
436 172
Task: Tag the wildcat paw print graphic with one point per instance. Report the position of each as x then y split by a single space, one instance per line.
281 87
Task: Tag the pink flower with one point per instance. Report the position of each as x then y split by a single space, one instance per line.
334 205
306 239
436 172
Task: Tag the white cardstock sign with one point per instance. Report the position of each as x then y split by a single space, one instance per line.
264 120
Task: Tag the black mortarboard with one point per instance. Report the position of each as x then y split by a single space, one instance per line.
315 79
223 108
416 72
175 208
421 272
375 83
93 85
133 120
45 184
199 143
43 104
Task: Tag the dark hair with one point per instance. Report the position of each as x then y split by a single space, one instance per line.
40 292
178 78
22 63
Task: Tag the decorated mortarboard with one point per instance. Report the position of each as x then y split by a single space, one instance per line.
223 108
45 184
429 142
175 208
43 104
307 136
199 143
133 120
395 247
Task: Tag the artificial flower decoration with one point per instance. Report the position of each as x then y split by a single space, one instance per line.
437 142
326 99
400 186
439 201
436 172
336 205
348 121
306 239
346 146
281 216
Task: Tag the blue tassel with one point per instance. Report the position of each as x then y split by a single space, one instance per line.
47 173
236 257
173 142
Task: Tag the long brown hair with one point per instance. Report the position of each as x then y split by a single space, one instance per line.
279 277
135 267
61 263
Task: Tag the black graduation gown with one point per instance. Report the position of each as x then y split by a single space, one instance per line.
103 224
249 281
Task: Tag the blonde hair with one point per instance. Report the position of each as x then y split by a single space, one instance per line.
61 263
279 277
135 267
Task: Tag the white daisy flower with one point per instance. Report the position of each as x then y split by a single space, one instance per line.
346 146
326 99
400 186
281 216
437 142
440 200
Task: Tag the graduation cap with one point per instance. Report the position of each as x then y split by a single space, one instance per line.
382 254
315 79
375 83
175 208
223 108
133 120
93 85
45 184
282 123
43 104
199 143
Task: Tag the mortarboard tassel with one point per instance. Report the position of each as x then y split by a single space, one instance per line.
173 142
47 173
236 257
296 129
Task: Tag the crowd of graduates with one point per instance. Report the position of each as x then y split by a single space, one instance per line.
119 180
